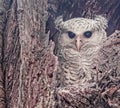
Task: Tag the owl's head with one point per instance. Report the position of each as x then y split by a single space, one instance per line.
78 32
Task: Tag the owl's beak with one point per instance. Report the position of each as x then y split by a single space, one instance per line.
78 43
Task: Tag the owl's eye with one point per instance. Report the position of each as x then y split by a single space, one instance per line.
71 34
88 34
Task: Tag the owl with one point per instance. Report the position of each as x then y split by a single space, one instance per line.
79 41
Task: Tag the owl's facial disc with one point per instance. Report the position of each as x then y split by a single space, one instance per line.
78 39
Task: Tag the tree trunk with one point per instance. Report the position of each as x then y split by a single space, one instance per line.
28 64
28 60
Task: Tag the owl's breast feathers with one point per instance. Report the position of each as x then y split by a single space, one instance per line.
77 67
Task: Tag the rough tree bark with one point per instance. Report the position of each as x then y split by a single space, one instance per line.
28 65
28 58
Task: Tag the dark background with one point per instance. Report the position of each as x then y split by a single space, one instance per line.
84 8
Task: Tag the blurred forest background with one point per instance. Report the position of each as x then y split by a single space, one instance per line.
28 64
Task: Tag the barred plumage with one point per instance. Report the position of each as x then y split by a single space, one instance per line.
78 51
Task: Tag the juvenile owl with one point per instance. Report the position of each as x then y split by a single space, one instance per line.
79 42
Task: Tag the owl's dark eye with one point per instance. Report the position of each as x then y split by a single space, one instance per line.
71 34
88 34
